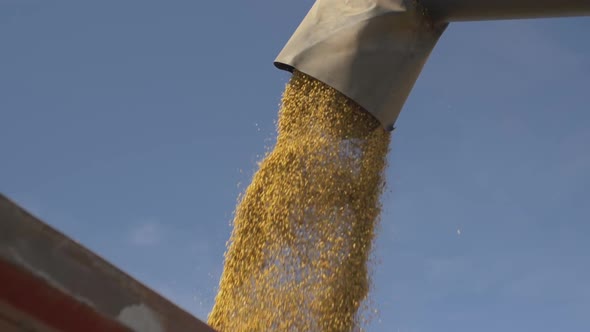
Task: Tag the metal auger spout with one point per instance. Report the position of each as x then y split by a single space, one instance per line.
373 51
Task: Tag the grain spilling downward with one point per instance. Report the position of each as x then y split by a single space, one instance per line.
297 259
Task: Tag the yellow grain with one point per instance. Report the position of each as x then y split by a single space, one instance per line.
297 259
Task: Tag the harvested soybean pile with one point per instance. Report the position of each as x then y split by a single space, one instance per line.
298 256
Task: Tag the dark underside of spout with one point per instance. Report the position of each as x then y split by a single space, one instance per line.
475 10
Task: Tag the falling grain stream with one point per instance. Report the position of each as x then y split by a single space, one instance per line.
298 256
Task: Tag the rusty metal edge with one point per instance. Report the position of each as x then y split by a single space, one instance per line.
66 265
32 304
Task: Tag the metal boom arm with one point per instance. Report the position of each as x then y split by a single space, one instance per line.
476 10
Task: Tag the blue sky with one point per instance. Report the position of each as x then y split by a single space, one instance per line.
133 126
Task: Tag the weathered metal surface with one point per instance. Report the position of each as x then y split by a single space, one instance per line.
14 320
58 276
28 302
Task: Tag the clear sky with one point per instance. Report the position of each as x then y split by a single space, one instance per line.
133 125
